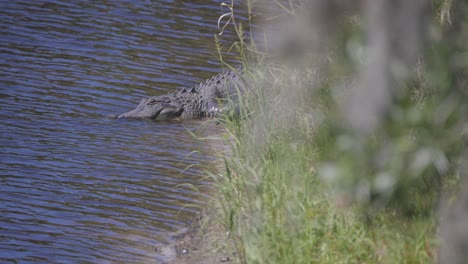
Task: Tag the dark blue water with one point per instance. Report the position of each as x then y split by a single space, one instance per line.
76 186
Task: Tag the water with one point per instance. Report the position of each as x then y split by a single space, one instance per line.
76 186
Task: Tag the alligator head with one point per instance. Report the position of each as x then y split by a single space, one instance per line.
155 107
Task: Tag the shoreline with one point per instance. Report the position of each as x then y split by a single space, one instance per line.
206 240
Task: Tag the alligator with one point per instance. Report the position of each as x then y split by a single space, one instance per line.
205 100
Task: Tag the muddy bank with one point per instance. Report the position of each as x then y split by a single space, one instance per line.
206 241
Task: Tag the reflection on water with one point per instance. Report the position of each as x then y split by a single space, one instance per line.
76 186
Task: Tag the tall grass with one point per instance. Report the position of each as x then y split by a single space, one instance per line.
302 186
280 211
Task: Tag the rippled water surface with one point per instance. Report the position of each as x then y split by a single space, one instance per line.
76 186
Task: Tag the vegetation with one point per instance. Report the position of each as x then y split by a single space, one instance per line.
302 184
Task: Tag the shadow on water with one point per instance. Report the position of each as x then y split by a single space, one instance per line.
75 185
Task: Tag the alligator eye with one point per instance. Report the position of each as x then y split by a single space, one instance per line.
152 102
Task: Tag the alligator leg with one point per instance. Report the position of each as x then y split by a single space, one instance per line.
170 111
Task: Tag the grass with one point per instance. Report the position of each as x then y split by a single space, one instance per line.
282 212
299 187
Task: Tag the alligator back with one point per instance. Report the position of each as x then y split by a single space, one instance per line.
224 84
210 98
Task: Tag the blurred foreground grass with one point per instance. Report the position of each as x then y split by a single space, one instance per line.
302 185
